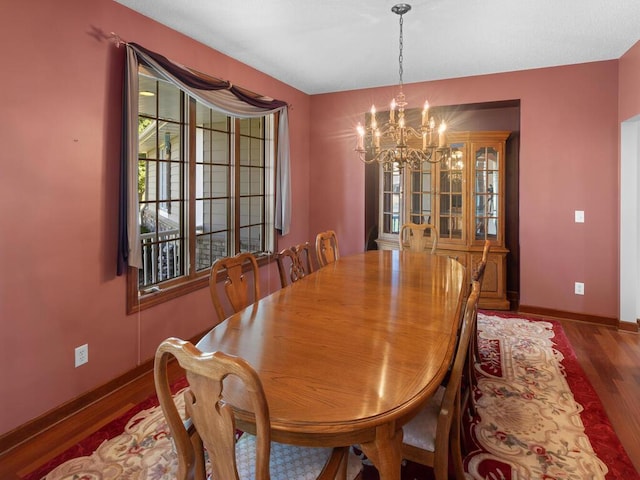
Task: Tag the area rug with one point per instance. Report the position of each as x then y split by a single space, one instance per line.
537 417
136 446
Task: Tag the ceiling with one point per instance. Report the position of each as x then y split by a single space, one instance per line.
321 46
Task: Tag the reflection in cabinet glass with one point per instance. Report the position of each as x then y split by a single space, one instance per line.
463 197
391 195
420 209
487 193
451 177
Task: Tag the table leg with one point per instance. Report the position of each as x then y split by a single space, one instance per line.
386 451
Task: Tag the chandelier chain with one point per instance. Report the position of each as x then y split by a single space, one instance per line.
400 57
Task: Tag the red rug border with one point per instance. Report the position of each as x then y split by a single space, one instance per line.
598 427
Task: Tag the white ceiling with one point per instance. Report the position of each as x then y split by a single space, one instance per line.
321 46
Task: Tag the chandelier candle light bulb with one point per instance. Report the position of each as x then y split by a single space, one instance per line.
442 134
360 145
425 114
394 136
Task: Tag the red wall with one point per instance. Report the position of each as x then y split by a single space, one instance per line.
568 161
61 106
60 100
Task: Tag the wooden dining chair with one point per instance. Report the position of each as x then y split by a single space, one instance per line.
294 263
417 239
436 431
474 347
210 424
482 265
239 291
327 247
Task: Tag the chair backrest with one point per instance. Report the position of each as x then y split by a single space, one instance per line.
370 242
474 353
294 263
416 239
237 286
327 247
449 419
466 330
204 404
478 275
458 391
437 426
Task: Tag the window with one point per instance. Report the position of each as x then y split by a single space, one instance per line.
205 189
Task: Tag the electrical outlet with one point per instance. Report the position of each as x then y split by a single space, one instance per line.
82 354
579 216
579 288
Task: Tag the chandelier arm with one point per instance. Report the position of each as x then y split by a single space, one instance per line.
412 157
414 132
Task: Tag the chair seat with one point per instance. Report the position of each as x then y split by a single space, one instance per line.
288 462
420 432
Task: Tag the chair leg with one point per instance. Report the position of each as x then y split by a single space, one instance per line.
441 466
336 466
456 448
344 464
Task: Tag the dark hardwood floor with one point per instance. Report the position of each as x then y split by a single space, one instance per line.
610 359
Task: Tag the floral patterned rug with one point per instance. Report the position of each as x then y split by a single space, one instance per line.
537 418
532 399
136 446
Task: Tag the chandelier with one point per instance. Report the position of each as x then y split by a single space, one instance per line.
388 143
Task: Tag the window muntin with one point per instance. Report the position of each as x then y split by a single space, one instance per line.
206 188
252 178
161 121
213 166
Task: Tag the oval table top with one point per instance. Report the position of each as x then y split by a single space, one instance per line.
359 343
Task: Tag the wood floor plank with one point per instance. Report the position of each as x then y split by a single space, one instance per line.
610 359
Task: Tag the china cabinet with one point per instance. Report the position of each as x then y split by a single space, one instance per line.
464 197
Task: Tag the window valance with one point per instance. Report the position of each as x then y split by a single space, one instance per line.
217 94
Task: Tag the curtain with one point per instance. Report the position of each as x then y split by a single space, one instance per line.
212 92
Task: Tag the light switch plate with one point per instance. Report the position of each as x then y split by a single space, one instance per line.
579 216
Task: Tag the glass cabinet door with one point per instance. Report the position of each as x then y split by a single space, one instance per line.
487 195
462 196
450 195
391 200
421 195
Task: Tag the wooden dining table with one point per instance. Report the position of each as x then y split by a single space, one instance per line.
351 352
